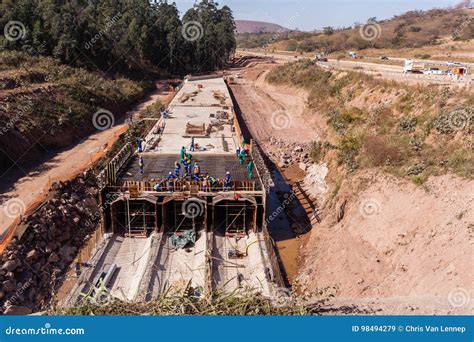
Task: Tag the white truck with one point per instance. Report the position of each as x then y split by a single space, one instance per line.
413 67
353 54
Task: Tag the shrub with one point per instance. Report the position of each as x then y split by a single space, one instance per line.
380 152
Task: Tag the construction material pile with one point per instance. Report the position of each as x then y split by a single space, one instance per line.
32 266
221 118
186 96
219 96
196 129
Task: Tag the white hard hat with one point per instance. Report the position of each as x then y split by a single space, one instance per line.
170 173
227 173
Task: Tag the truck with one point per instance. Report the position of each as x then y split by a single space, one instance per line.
413 67
353 54
320 57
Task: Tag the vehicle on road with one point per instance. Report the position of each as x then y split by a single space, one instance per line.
434 71
413 67
320 57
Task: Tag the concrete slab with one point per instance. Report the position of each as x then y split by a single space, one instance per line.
198 109
240 274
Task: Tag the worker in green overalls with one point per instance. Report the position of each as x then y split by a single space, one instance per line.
250 170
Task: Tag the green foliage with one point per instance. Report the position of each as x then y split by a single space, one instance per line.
349 147
122 35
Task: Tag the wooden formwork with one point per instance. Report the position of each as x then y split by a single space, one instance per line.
92 245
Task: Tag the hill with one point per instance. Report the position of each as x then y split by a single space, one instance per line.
413 29
249 26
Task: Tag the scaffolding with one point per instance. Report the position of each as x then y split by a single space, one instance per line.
134 217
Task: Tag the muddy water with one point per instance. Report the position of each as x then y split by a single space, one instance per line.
280 228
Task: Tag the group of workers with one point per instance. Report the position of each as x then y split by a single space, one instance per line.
208 182
186 163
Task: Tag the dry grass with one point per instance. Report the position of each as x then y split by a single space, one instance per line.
415 125
186 303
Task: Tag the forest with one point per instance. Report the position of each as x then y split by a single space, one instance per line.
121 35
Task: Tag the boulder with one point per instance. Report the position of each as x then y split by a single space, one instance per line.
11 265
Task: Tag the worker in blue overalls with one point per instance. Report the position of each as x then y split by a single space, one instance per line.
227 185
171 178
196 172
177 169
141 164
158 185
139 144
187 166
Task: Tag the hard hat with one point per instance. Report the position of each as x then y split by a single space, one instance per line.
227 173
170 173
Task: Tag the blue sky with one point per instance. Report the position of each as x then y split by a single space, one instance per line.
315 14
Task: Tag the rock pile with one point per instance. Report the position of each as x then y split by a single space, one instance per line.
285 153
31 266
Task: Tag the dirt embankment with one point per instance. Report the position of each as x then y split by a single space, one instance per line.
45 106
384 243
395 240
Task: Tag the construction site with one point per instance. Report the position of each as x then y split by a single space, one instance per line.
168 230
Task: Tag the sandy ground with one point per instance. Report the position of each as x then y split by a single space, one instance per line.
399 249
31 189
408 246
271 111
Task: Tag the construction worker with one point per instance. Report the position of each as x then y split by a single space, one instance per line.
196 172
237 152
177 169
171 178
242 157
187 166
139 144
205 183
158 186
191 147
250 170
212 181
182 153
227 185
141 164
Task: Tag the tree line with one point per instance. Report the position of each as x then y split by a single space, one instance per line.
121 34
